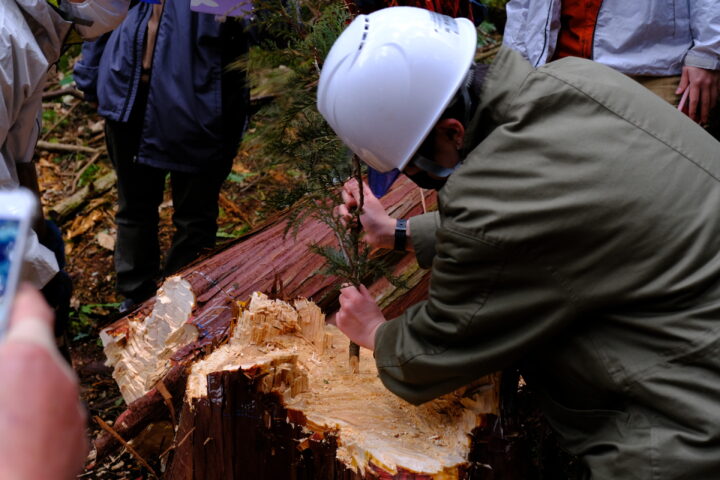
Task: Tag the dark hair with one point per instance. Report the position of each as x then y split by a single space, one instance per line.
461 107
463 104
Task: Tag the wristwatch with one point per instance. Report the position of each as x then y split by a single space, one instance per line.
400 234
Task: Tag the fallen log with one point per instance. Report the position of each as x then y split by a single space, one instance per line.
67 207
147 346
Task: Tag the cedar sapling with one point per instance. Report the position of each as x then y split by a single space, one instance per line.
285 67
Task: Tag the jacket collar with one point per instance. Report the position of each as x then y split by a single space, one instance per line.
500 86
48 28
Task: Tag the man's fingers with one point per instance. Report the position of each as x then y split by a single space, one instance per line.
352 298
367 191
684 81
342 212
348 197
693 103
365 292
340 319
705 108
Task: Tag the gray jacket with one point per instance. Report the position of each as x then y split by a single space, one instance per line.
653 37
580 240
26 52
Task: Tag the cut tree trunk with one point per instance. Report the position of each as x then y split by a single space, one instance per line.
279 401
264 391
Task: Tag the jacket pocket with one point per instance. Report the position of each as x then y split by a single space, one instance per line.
582 431
612 444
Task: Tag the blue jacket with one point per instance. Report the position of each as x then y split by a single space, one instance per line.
196 109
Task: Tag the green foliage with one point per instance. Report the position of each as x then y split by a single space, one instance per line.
240 177
89 175
487 34
495 3
49 116
296 38
233 232
285 67
83 321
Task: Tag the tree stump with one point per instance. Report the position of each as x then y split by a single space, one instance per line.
278 400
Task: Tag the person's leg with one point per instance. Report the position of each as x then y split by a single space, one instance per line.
195 212
58 290
664 87
140 193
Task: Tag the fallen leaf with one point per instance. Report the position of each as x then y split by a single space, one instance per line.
106 241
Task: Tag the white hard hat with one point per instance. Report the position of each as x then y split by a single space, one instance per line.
389 77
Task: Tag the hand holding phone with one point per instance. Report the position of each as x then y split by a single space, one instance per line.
17 209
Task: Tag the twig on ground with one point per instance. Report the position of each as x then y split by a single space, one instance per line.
92 160
62 92
125 444
60 120
66 148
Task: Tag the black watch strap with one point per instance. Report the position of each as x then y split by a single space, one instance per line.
400 234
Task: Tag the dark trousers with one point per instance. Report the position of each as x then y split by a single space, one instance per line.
140 193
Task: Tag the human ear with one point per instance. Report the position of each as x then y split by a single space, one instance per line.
452 130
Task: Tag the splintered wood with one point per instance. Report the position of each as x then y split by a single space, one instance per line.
287 352
140 352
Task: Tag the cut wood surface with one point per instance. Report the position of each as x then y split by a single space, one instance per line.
278 400
267 260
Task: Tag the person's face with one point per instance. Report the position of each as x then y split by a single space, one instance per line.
442 146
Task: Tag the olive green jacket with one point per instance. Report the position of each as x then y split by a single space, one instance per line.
580 240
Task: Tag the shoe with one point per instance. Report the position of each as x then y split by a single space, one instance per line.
127 306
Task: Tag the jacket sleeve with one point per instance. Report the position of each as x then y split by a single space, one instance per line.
96 17
22 76
517 11
705 26
423 229
86 69
20 73
487 308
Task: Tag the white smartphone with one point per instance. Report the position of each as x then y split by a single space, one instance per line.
17 211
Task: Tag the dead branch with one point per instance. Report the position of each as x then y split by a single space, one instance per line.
70 205
92 160
65 148
125 444
60 120
62 92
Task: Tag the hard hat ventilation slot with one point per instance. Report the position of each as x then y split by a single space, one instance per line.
365 33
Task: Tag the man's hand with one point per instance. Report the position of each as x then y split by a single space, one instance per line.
359 316
379 227
42 424
704 87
